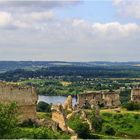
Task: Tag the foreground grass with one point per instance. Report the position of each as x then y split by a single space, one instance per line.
122 111
126 124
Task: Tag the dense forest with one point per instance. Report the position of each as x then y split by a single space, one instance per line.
84 71
12 65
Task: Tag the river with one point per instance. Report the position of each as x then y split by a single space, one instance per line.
55 99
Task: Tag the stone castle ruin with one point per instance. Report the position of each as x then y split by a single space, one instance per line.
92 98
58 116
25 97
135 94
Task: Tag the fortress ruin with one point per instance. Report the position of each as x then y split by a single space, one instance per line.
25 97
92 98
135 94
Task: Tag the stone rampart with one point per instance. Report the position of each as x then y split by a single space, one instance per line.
25 97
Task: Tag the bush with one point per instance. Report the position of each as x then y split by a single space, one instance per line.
8 119
118 116
106 114
43 107
27 123
96 121
136 116
109 130
132 106
39 133
82 129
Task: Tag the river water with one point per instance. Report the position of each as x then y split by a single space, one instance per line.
55 99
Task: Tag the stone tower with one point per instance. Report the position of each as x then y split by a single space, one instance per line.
135 94
25 97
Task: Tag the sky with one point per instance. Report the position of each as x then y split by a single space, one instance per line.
76 30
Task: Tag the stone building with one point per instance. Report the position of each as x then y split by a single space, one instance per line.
25 97
135 94
106 99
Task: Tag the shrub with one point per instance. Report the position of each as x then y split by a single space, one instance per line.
96 121
40 133
28 123
107 114
132 106
109 130
126 125
81 128
136 116
8 119
118 116
43 107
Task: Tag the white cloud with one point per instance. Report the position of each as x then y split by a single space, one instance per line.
116 27
35 5
128 8
5 18
42 35
41 15
73 39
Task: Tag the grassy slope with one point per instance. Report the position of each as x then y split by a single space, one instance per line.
126 123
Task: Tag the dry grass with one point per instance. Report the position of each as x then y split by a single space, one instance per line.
123 111
65 83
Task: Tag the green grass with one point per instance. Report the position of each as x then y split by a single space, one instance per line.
41 133
126 125
44 115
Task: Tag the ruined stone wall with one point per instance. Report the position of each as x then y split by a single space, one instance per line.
109 99
135 95
90 97
81 100
25 97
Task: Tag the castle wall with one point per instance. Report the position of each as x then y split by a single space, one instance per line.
90 98
25 97
109 99
135 95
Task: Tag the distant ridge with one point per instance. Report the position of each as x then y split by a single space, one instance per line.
12 65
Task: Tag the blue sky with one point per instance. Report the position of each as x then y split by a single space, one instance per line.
95 11
70 30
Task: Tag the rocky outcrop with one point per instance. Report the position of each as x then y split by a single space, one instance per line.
58 116
68 104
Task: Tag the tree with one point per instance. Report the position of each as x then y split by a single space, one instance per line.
8 119
43 107
95 121
80 127
109 130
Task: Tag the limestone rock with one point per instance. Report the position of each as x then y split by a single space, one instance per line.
59 116
68 104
